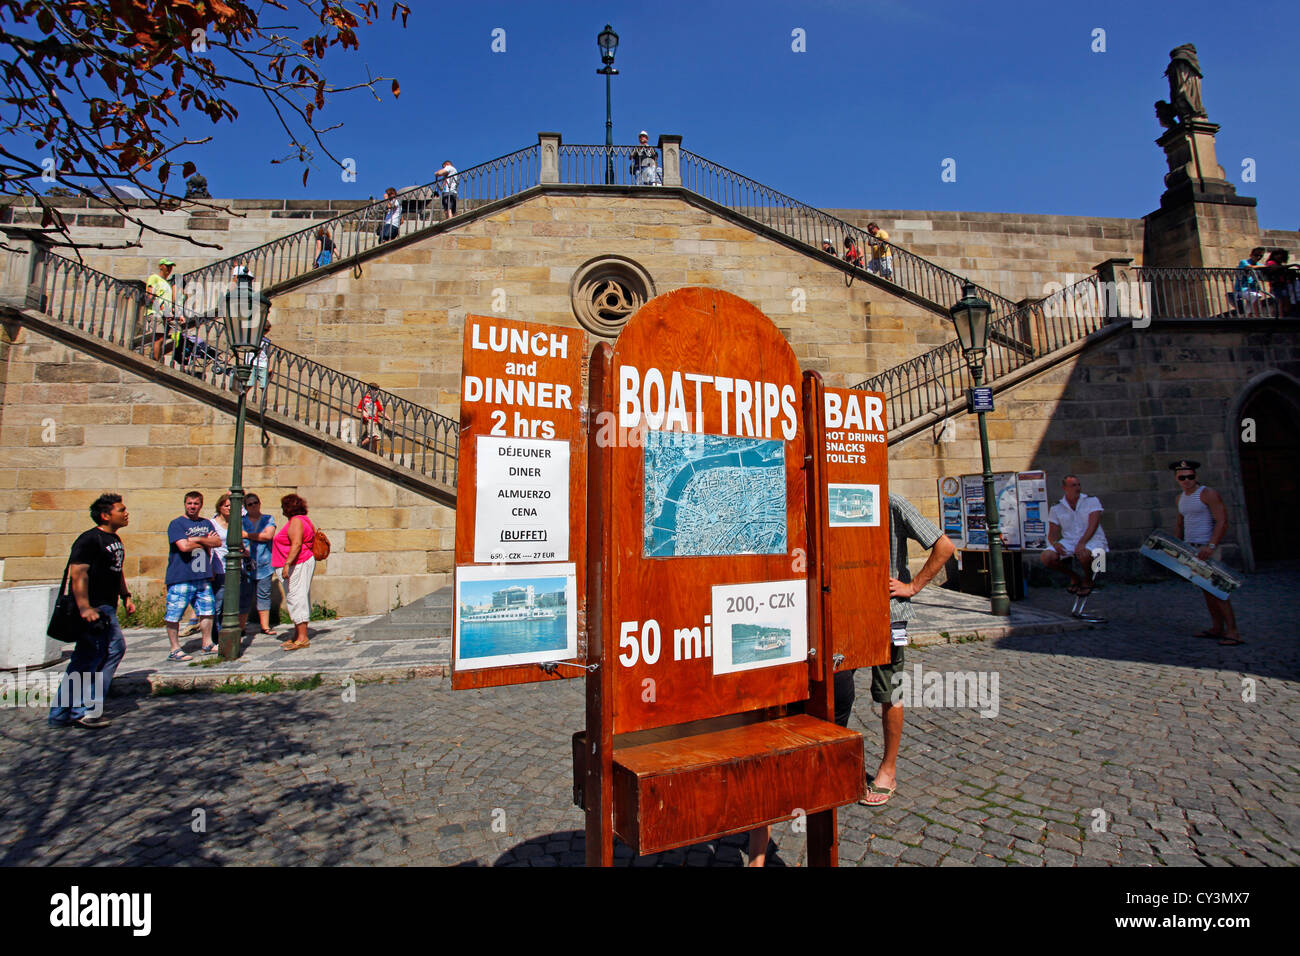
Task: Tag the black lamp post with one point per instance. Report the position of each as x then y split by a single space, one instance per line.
970 314
245 318
607 40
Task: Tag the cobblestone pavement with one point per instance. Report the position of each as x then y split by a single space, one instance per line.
1130 744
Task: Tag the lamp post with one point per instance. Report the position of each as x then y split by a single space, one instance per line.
607 40
245 320
970 314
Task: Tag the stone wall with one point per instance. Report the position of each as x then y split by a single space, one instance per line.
74 427
1012 254
401 323
1116 414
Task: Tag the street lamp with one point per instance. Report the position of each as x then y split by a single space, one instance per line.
970 314
245 319
607 40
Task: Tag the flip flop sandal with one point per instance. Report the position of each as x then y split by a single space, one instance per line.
1230 642
210 649
877 796
1213 635
180 657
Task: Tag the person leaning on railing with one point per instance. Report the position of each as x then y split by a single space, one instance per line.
159 309
1283 279
882 259
1246 291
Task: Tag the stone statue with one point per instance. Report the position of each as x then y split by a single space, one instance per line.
1184 73
196 187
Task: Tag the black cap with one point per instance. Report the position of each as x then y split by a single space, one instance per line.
1184 463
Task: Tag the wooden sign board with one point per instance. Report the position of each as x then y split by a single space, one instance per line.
700 444
852 488
521 495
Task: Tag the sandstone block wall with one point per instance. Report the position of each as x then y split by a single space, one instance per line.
73 427
1012 254
401 323
1116 414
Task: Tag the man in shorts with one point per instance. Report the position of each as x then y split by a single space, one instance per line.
904 522
190 540
448 182
159 309
882 258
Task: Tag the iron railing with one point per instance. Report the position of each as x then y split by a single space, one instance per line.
586 165
935 381
195 343
815 228
1227 293
363 229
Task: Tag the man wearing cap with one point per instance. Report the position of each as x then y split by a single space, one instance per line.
158 309
1202 523
645 162
882 257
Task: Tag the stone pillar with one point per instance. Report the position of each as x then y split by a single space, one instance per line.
670 148
1119 295
548 155
1201 222
23 250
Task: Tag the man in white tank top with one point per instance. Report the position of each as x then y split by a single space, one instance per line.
1202 523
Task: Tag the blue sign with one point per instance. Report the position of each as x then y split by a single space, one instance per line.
981 399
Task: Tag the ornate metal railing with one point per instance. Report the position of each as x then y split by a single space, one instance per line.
1228 293
588 165
364 228
816 228
192 342
935 381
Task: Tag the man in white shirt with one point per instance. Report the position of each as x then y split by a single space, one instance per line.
448 183
1074 531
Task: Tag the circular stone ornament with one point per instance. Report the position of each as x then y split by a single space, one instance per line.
606 291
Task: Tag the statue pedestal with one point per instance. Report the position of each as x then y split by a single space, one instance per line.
1189 150
1201 222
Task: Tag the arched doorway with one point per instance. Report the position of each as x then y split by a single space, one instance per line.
1270 471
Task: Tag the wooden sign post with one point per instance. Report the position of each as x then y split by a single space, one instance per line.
697 586
519 612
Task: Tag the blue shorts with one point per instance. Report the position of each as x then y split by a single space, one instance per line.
180 596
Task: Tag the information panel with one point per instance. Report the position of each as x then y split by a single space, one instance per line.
1031 490
951 512
520 504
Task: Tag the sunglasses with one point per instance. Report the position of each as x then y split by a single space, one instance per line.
1185 477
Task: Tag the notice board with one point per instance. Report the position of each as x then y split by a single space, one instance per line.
519 607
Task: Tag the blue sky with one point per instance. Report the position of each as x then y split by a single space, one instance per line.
1036 121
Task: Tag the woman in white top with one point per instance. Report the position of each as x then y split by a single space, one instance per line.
1202 523
221 521
392 218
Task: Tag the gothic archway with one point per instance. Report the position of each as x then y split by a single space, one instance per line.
1265 439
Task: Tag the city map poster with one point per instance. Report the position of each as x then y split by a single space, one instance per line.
1031 491
522 501
515 614
1004 493
713 495
850 506
950 511
759 625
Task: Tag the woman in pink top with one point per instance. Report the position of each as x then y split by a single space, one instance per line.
291 553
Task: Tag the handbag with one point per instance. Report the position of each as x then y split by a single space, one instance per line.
320 545
65 622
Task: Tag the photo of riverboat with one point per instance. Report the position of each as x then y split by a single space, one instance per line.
505 617
853 505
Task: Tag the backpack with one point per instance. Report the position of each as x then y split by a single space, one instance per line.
320 545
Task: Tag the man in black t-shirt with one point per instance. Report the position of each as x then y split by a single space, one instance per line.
96 580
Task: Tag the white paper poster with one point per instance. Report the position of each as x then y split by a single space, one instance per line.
1004 493
522 511
759 625
1031 489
